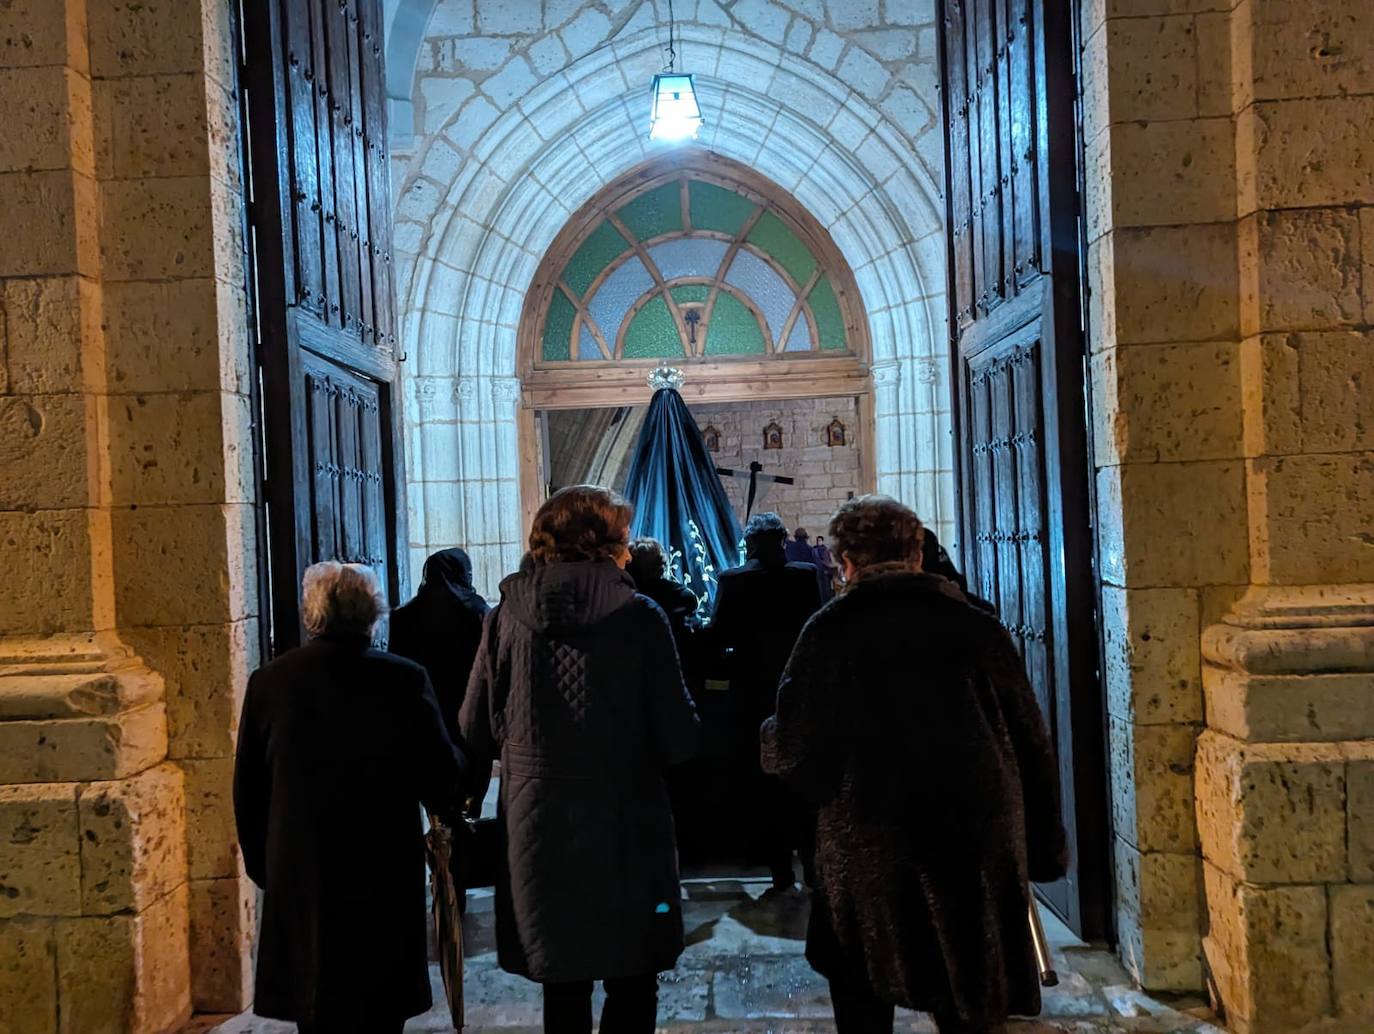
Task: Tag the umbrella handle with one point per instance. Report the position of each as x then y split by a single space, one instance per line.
1043 962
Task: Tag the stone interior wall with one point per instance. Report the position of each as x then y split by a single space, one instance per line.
524 109
128 621
825 475
1232 279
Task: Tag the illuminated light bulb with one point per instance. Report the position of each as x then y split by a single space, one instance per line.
675 113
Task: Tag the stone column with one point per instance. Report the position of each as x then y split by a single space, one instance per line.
1167 435
125 481
1286 766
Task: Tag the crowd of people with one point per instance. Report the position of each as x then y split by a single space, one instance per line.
885 734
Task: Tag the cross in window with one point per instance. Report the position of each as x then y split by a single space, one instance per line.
692 317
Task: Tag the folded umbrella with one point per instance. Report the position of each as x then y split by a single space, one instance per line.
448 915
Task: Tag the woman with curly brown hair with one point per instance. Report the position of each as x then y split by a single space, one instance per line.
577 691
937 787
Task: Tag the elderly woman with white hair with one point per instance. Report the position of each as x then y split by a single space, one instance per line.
339 746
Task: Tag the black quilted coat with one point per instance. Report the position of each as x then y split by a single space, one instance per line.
577 691
938 791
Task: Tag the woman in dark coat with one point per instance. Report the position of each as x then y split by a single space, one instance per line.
937 788
339 745
440 628
648 567
577 691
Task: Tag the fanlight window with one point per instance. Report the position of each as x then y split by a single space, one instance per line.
692 266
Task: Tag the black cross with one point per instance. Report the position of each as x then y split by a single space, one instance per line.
692 318
755 476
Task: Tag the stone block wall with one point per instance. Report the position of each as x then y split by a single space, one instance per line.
825 475
1227 192
126 465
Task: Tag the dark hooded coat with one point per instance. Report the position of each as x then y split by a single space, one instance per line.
339 745
440 628
577 691
938 794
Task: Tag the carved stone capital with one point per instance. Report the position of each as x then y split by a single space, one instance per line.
886 374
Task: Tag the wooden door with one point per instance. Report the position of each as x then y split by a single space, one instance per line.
320 223
1019 370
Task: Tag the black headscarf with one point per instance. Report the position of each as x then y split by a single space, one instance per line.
449 572
440 629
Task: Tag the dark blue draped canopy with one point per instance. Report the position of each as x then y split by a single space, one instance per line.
679 500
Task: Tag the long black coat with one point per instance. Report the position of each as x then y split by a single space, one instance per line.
938 791
760 610
441 627
339 745
577 691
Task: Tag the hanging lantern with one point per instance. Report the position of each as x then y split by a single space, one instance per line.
675 113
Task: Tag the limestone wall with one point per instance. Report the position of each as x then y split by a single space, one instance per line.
1228 179
127 626
522 110
824 475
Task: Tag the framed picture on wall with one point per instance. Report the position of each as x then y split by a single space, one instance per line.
711 435
772 436
834 433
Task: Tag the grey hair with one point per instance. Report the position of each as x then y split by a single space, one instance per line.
341 599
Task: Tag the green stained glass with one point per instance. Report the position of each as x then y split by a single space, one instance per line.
772 236
715 208
558 328
654 212
825 307
653 333
685 293
597 252
733 329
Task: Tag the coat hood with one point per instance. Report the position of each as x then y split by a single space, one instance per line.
560 598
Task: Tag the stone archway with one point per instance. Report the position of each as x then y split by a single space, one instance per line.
484 199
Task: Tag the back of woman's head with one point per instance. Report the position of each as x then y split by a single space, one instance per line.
341 600
647 562
876 529
584 522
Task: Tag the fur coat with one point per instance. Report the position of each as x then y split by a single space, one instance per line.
938 794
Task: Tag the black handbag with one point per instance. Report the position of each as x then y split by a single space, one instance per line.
479 853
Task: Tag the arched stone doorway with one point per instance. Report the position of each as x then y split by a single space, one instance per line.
695 261
491 185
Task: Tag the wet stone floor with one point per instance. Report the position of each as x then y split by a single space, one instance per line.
743 972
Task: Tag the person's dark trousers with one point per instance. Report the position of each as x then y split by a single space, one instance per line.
631 1006
859 1011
